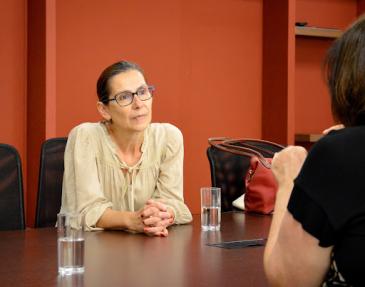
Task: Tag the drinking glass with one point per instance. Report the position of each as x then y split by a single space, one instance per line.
71 244
210 208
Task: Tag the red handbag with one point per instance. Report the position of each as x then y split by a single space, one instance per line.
261 188
260 183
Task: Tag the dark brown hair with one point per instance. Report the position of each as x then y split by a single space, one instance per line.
102 86
345 67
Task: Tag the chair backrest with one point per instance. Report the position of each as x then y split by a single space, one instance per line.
228 171
50 182
11 189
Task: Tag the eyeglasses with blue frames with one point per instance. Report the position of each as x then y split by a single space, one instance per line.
126 98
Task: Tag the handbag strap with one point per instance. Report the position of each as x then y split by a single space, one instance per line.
244 148
249 143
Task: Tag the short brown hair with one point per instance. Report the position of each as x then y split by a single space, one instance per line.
102 86
345 67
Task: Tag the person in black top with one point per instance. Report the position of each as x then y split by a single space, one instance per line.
317 236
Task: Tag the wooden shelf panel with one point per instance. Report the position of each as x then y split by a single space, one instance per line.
311 138
317 32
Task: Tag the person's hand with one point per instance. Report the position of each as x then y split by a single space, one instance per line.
135 221
156 217
287 163
335 127
148 220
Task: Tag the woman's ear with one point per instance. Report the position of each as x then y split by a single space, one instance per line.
103 111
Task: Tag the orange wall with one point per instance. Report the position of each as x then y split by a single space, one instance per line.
203 56
278 71
13 74
326 13
312 102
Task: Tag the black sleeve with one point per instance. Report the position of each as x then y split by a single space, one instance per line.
321 197
311 216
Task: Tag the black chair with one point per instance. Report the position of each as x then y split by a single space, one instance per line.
11 189
228 171
50 182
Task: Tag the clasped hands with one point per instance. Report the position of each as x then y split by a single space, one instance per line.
155 217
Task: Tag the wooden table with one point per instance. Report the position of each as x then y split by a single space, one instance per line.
116 258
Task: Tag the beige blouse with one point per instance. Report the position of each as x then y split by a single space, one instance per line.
94 181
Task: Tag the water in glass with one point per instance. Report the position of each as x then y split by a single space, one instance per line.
211 218
70 255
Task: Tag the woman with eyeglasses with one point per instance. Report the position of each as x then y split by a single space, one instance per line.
125 172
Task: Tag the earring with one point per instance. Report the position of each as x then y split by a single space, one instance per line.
107 122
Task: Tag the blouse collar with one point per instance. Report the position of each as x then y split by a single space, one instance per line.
112 146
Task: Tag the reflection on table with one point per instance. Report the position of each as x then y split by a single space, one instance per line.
116 258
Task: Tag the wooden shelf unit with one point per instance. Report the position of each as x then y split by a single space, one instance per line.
279 83
317 32
309 138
